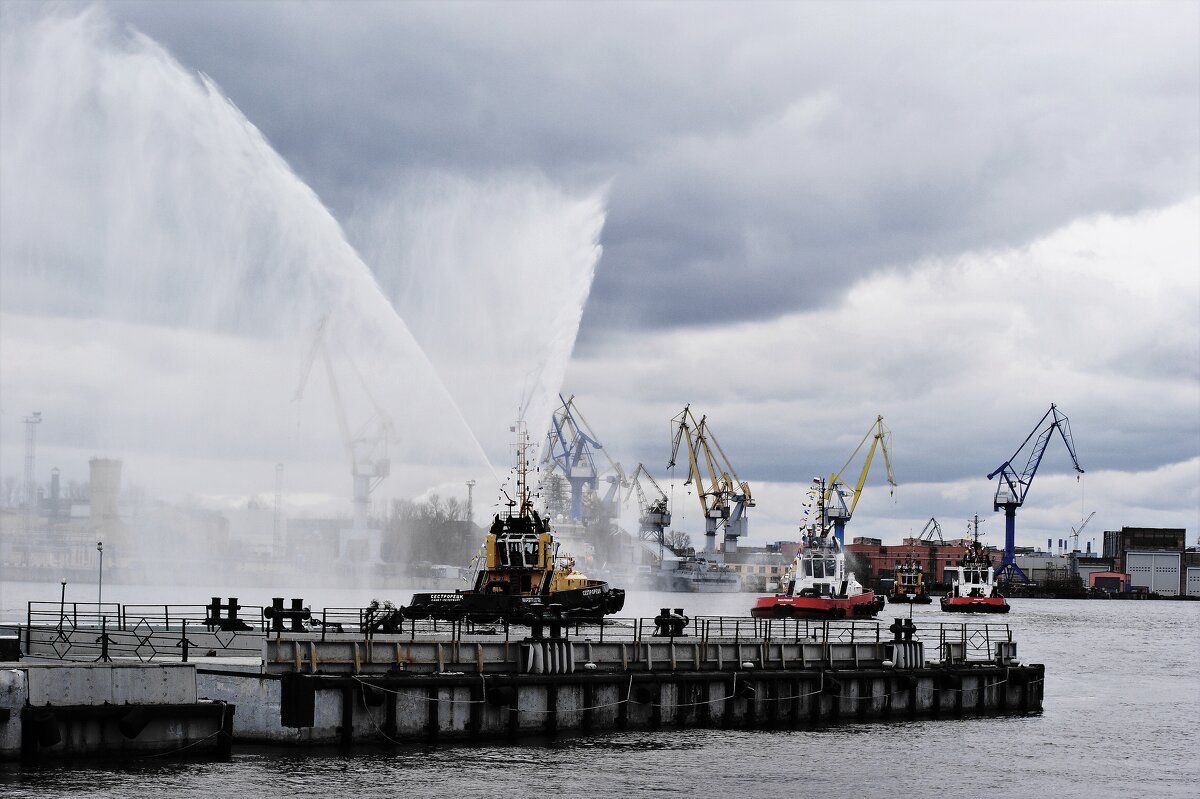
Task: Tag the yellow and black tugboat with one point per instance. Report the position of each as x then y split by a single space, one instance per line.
522 573
910 585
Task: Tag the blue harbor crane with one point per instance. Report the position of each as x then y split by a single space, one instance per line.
1013 486
570 448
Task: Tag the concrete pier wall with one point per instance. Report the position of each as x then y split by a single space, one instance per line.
355 655
72 709
349 709
429 682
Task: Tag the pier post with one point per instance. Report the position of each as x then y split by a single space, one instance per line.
347 729
551 708
433 723
589 700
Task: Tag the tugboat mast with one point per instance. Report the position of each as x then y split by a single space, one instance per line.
525 504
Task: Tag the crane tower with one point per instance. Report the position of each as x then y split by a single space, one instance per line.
723 497
1013 486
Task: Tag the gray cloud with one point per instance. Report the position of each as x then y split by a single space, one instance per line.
762 158
766 163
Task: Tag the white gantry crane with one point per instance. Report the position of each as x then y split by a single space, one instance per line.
366 447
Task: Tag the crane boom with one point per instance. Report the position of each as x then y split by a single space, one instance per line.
838 510
722 487
1075 531
1013 486
570 444
932 531
653 515
367 451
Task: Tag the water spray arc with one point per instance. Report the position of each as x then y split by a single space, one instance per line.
366 450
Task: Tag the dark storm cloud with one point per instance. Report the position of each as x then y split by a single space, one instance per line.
762 158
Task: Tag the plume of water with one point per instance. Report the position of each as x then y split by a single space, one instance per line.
165 274
491 277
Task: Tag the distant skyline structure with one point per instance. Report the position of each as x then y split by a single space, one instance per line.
29 491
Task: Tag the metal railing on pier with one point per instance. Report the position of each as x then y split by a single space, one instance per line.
81 630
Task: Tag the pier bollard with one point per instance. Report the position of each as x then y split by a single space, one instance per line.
662 623
534 620
902 629
228 623
296 615
556 621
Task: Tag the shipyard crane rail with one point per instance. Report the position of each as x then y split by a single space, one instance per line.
722 487
1013 485
837 509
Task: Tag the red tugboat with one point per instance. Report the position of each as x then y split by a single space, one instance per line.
973 584
819 587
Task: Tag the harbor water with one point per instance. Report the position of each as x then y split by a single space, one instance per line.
1122 701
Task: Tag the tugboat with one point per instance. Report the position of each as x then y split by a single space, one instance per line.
910 585
819 587
973 584
522 572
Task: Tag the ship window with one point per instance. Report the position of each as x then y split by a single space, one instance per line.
514 554
830 567
531 553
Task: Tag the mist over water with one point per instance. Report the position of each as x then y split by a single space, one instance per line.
165 276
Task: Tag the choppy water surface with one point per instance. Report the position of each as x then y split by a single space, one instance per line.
1122 701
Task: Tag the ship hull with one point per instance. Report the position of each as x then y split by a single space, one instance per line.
864 606
591 602
694 584
912 599
966 604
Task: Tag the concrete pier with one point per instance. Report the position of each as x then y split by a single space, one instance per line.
427 682
70 709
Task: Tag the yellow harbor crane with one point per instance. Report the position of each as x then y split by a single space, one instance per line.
722 487
837 510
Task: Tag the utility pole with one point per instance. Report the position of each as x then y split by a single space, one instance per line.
31 423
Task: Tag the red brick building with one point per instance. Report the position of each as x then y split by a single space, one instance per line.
870 561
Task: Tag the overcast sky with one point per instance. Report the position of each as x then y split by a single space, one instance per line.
794 216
